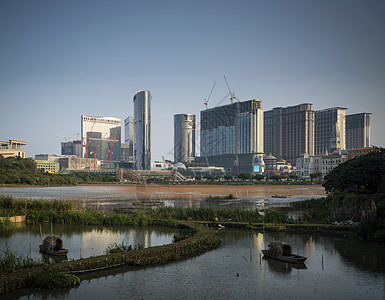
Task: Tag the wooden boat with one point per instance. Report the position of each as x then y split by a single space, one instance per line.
283 251
53 245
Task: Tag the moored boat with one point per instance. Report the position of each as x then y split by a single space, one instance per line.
53 245
283 251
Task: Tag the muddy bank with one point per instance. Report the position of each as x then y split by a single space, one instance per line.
191 192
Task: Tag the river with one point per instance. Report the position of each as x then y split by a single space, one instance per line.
336 268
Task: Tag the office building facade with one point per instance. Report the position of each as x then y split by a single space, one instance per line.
101 140
142 124
184 137
358 131
233 133
129 136
289 132
329 133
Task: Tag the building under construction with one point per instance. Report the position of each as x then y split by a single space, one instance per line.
101 141
231 133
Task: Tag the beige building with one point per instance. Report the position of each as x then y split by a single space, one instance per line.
323 163
47 166
13 148
289 131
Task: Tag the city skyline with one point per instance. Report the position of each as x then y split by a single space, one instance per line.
285 53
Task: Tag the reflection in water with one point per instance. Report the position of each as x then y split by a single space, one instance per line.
367 256
230 272
282 267
83 241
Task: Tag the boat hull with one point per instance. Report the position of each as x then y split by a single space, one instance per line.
294 259
61 252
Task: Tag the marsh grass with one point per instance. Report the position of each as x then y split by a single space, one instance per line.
10 262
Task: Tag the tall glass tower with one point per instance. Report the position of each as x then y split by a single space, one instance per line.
142 125
184 137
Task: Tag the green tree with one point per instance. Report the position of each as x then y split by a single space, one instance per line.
362 174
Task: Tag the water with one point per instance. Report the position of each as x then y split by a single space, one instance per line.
350 269
83 241
109 197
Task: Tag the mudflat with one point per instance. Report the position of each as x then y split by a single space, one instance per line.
180 191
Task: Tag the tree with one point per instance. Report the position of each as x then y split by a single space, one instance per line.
316 175
362 174
244 176
228 177
258 177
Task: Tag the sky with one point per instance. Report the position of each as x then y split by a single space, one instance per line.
63 59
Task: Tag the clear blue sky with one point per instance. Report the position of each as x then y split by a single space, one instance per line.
62 59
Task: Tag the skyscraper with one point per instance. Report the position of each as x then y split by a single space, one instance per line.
232 129
289 131
358 131
142 125
101 138
129 136
232 136
329 133
184 137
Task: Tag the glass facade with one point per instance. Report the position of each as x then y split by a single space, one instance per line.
232 129
129 136
184 137
329 133
101 140
358 131
142 125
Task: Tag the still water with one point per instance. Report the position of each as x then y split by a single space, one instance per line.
109 197
336 268
83 241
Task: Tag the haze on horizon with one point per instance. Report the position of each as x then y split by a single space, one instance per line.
63 59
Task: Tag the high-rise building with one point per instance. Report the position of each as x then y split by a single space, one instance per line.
329 132
358 131
71 148
142 125
232 135
101 139
184 137
232 129
289 131
129 136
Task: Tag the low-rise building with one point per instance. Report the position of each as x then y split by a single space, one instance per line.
13 148
353 153
322 163
47 166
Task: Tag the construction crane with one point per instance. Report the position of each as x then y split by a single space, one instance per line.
65 137
208 98
232 95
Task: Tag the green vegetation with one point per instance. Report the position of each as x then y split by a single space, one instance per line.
10 262
205 214
219 198
6 225
46 279
364 174
356 190
65 212
16 170
116 248
183 234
